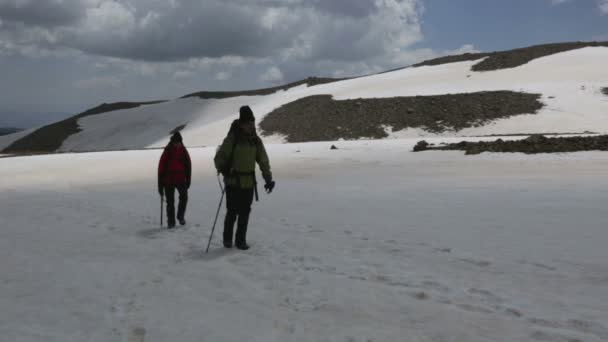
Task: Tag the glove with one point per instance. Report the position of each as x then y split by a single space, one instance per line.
160 189
188 184
269 186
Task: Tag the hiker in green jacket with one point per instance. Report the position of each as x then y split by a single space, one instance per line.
235 160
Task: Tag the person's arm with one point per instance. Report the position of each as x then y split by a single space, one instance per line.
161 171
263 162
188 168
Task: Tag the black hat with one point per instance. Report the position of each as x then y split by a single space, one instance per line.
246 114
176 137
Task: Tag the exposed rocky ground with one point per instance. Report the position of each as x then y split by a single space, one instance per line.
533 144
320 118
311 81
605 91
9 130
512 58
49 138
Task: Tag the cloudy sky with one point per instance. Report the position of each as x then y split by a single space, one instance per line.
60 57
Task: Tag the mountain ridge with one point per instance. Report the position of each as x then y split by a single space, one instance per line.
187 110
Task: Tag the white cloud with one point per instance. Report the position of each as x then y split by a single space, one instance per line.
183 74
99 82
467 48
272 75
344 70
206 68
272 16
226 61
110 17
223 76
139 68
603 5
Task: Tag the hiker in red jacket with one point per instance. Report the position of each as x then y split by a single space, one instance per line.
174 171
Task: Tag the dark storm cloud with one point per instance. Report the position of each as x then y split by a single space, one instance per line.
173 30
45 13
193 29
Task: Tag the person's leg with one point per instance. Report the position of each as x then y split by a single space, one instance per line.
183 202
170 195
231 213
244 208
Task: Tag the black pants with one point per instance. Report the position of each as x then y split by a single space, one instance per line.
238 204
181 207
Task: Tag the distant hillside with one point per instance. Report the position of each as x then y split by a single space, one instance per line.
311 81
512 58
49 138
561 92
9 130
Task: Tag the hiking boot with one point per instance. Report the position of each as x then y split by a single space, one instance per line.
242 246
182 222
171 226
227 244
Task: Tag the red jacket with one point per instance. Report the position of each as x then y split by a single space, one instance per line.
174 167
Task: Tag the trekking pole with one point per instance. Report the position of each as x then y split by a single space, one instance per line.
216 214
161 210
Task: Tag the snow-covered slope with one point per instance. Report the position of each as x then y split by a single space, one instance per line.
370 242
8 139
570 84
